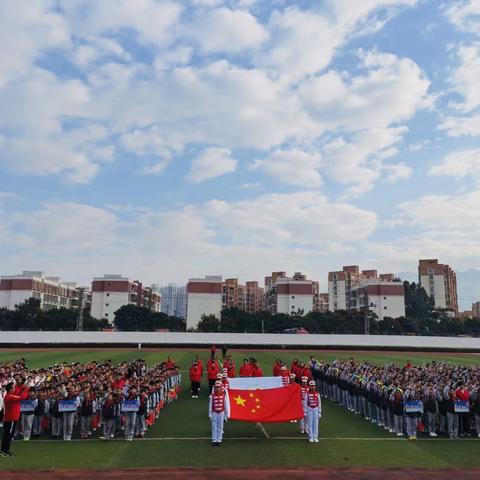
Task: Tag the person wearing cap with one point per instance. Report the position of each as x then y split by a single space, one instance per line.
313 406
304 389
225 382
213 369
218 412
285 376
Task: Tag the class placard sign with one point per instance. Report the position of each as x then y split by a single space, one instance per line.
414 406
130 405
462 406
27 405
67 406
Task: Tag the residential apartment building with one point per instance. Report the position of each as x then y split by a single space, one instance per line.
111 292
173 300
383 298
234 294
255 297
342 283
322 305
440 282
204 296
476 310
50 291
290 295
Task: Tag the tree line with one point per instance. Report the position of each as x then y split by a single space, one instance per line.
420 319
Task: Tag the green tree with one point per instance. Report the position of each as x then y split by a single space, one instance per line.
209 323
417 303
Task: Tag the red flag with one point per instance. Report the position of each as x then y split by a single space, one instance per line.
270 405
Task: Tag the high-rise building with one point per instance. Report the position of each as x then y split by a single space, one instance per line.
255 297
234 294
342 283
111 292
289 295
173 300
322 303
383 298
50 291
204 297
476 310
440 282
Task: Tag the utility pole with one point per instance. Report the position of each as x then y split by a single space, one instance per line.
80 310
367 322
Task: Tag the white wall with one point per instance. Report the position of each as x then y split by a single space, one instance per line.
387 305
341 300
202 303
232 339
287 304
10 298
115 300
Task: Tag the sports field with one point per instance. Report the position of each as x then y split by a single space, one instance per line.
181 436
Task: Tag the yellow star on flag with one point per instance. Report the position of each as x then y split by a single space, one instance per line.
240 401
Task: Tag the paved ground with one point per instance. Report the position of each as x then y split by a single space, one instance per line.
240 474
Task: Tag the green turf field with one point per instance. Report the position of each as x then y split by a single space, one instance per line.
180 437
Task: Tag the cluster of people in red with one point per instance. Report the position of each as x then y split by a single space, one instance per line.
220 371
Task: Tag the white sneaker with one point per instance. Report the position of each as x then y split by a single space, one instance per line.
316 440
433 434
311 440
399 434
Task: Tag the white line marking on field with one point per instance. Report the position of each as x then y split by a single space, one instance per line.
262 428
323 439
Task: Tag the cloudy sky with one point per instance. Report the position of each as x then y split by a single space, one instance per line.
163 139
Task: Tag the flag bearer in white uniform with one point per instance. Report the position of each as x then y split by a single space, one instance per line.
218 412
313 407
303 422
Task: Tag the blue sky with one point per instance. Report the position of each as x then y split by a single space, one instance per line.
163 139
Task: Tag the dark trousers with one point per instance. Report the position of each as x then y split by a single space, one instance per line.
211 383
8 433
195 388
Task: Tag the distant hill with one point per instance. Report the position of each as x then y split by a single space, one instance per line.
468 285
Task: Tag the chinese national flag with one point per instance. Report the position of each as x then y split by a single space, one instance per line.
271 405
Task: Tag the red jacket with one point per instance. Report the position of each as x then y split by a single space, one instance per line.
195 374
257 372
11 403
212 370
246 370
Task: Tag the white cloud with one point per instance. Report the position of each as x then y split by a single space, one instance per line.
151 19
465 15
358 162
460 164
400 171
465 78
391 91
225 30
292 167
442 212
460 126
246 238
212 163
304 42
27 28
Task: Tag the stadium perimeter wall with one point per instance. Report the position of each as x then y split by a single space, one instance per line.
250 340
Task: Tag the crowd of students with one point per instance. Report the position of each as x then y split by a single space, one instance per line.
118 399
431 399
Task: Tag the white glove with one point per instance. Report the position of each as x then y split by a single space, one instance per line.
210 417
319 414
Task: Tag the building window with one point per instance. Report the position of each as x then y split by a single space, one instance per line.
107 304
108 294
384 298
293 296
106 314
384 308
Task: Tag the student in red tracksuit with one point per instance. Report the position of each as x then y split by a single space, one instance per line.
213 369
195 375
11 415
256 370
246 368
